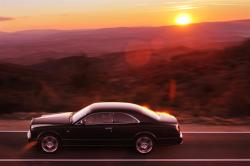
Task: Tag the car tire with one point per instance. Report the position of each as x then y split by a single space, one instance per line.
144 144
49 143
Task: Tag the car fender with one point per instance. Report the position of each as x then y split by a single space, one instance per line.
48 132
146 133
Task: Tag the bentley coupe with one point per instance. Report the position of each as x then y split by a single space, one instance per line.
105 124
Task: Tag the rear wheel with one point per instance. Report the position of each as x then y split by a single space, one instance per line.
144 144
49 143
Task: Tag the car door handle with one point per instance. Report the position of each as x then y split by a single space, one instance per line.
108 128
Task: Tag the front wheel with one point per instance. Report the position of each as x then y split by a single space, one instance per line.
144 144
49 143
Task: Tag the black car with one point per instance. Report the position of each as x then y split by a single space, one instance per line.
105 124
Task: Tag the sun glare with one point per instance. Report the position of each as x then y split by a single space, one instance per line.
183 19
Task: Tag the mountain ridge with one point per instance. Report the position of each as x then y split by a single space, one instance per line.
34 46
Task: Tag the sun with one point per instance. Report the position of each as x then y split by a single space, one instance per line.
183 19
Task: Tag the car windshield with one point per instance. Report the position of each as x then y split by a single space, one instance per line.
79 114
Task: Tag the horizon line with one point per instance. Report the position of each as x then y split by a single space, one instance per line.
143 26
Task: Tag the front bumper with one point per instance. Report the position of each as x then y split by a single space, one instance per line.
29 136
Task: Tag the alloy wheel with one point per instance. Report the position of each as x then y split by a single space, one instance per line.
49 144
144 144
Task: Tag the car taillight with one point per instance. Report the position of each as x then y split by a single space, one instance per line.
177 127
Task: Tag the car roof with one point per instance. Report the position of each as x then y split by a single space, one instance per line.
124 106
114 105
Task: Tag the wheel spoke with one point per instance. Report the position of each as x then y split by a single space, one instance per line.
49 144
144 144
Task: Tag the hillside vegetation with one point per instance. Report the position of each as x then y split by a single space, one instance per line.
198 83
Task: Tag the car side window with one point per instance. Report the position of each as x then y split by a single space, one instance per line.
124 118
99 118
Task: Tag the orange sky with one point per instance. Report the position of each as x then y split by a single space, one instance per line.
18 15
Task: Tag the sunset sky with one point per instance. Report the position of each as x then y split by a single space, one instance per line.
16 15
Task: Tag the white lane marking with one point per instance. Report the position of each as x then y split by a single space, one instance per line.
185 132
216 132
13 131
127 160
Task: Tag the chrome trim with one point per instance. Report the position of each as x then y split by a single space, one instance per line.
79 122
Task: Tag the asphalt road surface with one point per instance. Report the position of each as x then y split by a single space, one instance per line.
202 148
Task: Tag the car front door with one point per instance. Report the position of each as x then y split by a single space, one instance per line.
94 129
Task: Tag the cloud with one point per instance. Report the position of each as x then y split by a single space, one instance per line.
6 18
185 7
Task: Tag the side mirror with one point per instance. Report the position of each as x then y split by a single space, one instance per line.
81 122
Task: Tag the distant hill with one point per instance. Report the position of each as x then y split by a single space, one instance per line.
34 46
199 83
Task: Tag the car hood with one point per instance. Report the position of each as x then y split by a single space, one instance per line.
60 118
165 117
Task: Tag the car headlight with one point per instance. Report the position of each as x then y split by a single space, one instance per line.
29 134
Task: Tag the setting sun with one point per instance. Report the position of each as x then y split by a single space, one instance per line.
183 19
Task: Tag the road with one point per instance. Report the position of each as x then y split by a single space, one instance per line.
198 148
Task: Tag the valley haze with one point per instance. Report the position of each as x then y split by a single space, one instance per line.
34 46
